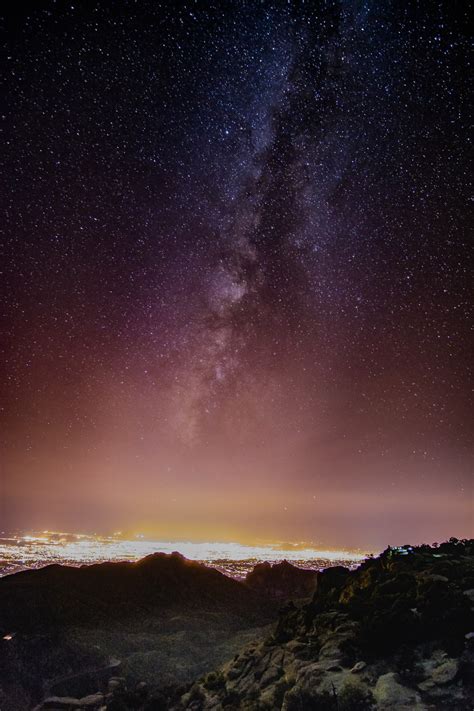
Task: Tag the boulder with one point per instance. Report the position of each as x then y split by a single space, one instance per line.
469 594
313 673
446 672
358 667
390 694
334 682
347 627
331 650
296 646
272 673
268 697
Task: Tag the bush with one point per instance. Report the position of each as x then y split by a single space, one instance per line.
157 703
214 681
354 696
305 700
197 696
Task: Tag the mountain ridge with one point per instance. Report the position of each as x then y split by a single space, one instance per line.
162 611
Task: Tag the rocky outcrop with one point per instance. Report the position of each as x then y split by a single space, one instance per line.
117 695
282 581
394 634
389 693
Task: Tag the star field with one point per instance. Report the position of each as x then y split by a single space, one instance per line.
236 270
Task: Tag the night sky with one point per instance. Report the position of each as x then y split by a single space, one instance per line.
235 270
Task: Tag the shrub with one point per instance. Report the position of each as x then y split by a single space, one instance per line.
354 696
305 700
157 703
196 695
214 681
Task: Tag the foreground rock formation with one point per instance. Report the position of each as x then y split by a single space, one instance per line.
397 633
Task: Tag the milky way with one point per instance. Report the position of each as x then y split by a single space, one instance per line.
236 270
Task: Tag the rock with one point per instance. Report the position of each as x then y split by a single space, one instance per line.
272 673
390 694
331 651
348 627
433 577
446 672
313 673
61 702
334 681
267 698
282 580
469 594
305 666
296 646
234 672
92 700
277 656
114 684
331 579
358 667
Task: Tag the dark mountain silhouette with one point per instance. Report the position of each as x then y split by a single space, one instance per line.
164 619
282 580
119 592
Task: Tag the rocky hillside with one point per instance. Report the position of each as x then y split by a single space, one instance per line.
397 633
